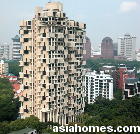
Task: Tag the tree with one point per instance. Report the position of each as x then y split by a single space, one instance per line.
118 94
14 67
9 106
114 113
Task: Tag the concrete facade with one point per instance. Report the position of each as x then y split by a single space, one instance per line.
52 59
3 67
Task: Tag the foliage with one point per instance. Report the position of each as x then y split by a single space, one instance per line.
114 113
29 122
102 113
96 64
118 94
8 104
14 67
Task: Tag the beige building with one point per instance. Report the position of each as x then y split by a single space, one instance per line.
3 67
52 59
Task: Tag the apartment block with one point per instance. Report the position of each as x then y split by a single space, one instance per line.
87 48
3 67
16 47
98 84
131 88
5 53
107 49
127 47
52 59
122 73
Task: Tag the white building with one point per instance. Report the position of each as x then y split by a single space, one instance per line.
98 84
5 51
16 48
3 67
126 47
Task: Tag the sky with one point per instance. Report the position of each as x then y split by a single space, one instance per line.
111 18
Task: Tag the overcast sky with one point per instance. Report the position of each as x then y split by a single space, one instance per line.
111 18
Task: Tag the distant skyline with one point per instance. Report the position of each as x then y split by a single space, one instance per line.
103 17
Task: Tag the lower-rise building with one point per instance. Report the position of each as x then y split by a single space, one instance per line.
131 88
98 84
5 52
16 48
123 73
3 67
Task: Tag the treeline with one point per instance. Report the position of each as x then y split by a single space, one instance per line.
30 122
14 67
9 106
96 64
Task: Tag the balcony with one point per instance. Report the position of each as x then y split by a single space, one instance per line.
26 75
44 73
26 63
21 111
52 47
22 23
26 87
44 110
26 51
21 99
44 85
21 75
84 51
84 63
21 31
26 110
44 60
43 98
21 63
22 40
26 99
82 25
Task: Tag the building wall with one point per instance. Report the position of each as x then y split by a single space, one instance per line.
115 47
127 46
3 67
107 50
52 57
5 52
124 73
98 84
87 48
131 88
16 48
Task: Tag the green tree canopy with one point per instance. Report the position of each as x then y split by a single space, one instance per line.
8 104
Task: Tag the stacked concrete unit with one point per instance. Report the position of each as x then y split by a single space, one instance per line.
52 59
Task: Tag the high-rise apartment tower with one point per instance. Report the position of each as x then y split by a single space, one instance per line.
107 50
52 59
127 47
16 48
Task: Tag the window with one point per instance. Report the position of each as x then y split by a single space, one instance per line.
26 39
